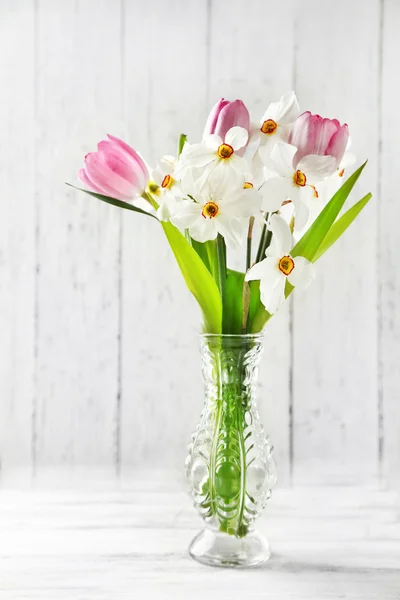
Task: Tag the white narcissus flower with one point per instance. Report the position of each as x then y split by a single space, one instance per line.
275 124
215 153
280 266
167 187
294 183
223 205
324 191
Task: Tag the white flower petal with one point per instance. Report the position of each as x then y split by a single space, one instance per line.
288 109
223 182
211 141
195 155
186 213
282 235
303 273
204 230
301 212
231 229
281 158
237 137
275 191
168 163
243 203
283 112
273 296
267 270
317 167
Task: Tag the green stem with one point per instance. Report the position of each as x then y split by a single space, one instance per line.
267 242
221 258
261 244
214 445
249 240
241 530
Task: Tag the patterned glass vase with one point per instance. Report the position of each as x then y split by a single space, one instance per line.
230 466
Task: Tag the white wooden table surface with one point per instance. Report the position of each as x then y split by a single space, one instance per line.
129 540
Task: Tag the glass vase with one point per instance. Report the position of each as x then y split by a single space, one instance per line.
230 467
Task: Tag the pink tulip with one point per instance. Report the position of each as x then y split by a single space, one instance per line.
115 170
226 115
311 134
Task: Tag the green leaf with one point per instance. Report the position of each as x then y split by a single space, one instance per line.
308 245
181 143
197 277
201 249
258 316
232 301
114 202
340 226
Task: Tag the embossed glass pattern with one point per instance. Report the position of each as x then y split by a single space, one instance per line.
230 466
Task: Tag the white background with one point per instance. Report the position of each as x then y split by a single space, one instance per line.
98 351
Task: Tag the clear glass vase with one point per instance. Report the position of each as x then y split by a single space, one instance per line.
230 466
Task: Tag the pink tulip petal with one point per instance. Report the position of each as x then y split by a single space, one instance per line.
338 143
301 136
212 119
87 182
324 131
132 153
104 177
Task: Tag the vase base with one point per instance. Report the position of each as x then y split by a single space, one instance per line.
219 549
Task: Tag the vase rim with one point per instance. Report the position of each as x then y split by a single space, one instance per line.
239 336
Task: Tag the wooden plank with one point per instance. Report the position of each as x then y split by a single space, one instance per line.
78 101
335 321
17 231
389 275
165 95
244 63
97 545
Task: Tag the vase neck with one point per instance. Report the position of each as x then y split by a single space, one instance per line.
230 359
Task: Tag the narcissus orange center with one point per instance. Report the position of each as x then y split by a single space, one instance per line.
225 151
247 185
286 265
299 178
269 126
315 191
210 210
167 182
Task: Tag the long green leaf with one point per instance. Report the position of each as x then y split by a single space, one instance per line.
308 245
197 277
114 201
338 228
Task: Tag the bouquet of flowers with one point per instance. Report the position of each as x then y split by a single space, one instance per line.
284 174
281 182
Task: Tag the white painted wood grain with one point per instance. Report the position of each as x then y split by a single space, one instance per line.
78 101
165 95
117 376
17 231
388 216
335 321
78 544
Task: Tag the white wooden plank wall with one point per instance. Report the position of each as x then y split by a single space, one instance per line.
98 357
